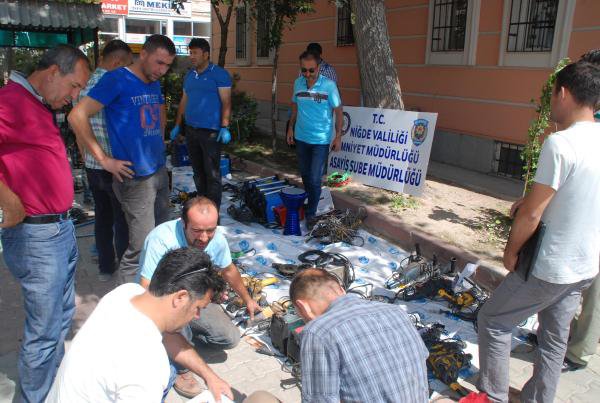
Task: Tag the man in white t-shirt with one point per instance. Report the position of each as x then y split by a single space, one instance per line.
565 196
121 352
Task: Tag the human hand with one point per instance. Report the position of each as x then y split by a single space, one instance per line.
118 168
13 211
224 136
336 144
252 307
175 132
515 207
219 387
290 136
510 261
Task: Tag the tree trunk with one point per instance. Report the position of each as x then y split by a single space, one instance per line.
224 24
378 75
274 102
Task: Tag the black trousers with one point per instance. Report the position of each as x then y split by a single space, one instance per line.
205 156
110 227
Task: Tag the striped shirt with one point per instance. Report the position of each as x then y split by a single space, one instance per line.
98 123
363 351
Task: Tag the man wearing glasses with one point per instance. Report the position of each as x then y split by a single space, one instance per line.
121 352
314 102
197 227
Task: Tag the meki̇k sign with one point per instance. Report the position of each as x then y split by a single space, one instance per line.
118 7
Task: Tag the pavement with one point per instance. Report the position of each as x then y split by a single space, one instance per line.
242 367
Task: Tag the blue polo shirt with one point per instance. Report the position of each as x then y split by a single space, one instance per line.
314 120
203 109
132 109
170 235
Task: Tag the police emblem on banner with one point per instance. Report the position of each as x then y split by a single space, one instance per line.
419 131
346 123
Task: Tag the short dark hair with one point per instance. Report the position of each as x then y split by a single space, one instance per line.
196 201
170 274
582 79
315 47
114 46
157 41
306 55
63 56
308 282
199 43
592 56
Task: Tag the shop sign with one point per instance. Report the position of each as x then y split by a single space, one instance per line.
115 7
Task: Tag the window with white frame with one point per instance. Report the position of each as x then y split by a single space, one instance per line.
241 34
345 31
109 29
535 33
263 48
201 29
452 31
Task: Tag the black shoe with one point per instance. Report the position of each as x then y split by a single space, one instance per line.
569 366
310 222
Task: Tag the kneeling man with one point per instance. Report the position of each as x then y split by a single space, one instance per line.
354 350
197 228
121 352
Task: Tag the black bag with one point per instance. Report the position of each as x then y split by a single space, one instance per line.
529 252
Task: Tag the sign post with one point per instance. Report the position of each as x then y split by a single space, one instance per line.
385 148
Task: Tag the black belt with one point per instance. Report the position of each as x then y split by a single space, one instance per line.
45 218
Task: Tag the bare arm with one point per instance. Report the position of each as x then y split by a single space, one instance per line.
526 221
336 144
181 109
290 131
79 119
232 276
225 95
184 354
12 208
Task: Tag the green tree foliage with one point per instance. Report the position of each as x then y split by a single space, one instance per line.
277 15
531 153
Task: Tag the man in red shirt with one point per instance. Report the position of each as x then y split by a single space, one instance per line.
36 192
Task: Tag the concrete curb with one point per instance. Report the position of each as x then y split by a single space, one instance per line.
393 229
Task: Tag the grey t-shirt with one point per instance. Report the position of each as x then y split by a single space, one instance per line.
570 164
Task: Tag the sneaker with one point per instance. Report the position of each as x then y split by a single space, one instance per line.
569 366
187 385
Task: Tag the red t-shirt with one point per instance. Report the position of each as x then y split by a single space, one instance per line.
33 158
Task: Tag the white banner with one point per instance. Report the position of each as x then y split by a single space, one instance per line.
385 148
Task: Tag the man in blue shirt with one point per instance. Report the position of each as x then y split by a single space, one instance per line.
314 101
135 114
206 104
346 346
198 227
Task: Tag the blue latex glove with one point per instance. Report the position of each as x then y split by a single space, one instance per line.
224 136
175 132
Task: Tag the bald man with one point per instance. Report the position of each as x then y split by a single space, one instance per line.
354 350
197 227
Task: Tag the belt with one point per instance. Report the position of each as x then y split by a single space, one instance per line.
46 218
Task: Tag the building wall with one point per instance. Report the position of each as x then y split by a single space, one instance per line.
197 13
479 102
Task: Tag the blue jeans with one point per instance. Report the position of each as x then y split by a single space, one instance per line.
110 227
42 257
312 159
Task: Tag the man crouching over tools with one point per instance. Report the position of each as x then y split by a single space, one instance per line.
120 353
197 227
354 350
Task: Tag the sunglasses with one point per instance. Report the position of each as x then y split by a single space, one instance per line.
189 273
311 70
